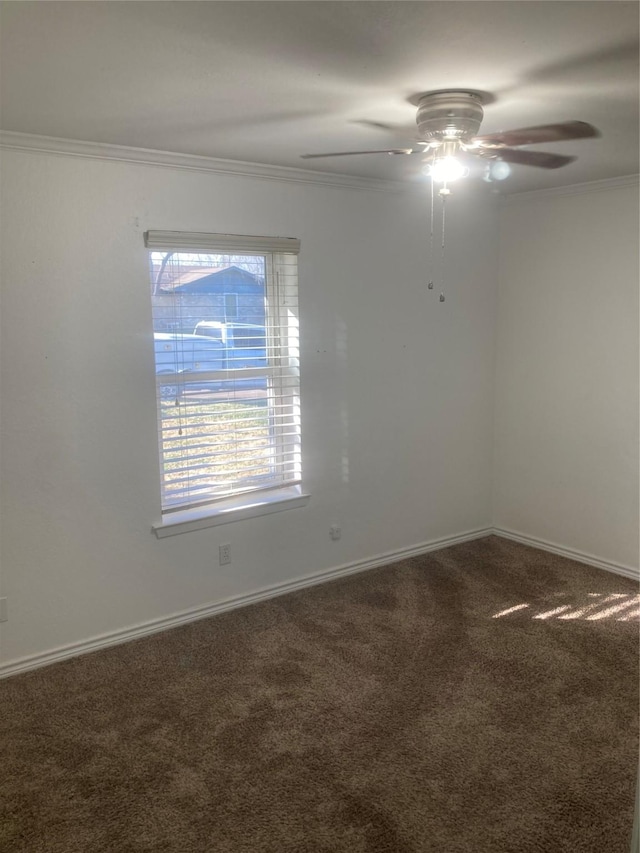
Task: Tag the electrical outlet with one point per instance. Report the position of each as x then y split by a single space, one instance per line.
224 554
335 532
4 616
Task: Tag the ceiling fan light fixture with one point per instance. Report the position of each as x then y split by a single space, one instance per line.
446 169
448 123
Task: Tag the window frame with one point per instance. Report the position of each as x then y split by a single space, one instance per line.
272 497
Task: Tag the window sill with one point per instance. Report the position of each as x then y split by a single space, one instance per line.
236 509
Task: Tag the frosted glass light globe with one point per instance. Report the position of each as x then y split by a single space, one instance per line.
500 170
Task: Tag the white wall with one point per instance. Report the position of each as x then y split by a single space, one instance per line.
566 453
397 390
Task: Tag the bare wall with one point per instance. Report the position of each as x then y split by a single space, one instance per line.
566 452
397 390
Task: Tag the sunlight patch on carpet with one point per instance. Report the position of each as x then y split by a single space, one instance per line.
623 607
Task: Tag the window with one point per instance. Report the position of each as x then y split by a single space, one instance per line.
227 390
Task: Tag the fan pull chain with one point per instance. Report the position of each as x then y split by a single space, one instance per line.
431 265
444 192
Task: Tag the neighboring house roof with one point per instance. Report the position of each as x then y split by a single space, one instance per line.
206 280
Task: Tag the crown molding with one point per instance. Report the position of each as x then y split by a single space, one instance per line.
38 144
191 162
574 189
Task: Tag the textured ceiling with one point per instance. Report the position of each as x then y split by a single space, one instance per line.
267 81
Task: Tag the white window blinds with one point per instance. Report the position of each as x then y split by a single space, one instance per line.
227 381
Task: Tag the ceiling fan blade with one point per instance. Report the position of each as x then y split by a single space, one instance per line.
350 153
376 125
541 133
541 159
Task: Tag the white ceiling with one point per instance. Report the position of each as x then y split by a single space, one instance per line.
267 81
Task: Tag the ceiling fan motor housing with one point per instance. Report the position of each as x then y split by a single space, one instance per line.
449 116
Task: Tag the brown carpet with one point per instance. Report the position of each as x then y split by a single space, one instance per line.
392 711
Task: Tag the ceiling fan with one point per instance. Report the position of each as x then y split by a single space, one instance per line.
447 126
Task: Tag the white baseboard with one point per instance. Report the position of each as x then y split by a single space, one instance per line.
580 556
144 629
